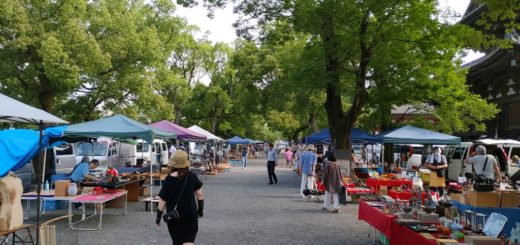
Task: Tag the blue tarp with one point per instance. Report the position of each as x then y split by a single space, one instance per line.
19 146
357 136
414 135
512 214
238 141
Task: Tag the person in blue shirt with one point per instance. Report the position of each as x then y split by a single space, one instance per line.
308 161
81 172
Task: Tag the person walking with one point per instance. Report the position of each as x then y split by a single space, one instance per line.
297 160
245 153
272 161
180 190
288 157
308 162
331 179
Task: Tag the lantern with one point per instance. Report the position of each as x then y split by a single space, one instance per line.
468 220
480 221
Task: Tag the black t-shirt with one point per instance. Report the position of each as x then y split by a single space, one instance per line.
171 189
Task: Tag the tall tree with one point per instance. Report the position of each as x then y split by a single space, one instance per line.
361 41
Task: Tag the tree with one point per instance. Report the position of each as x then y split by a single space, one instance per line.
366 46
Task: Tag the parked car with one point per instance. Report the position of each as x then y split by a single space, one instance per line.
26 174
64 158
109 152
148 152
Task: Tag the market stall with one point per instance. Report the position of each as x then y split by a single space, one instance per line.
16 111
119 127
357 136
402 231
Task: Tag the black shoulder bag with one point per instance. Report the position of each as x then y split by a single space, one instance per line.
174 214
482 183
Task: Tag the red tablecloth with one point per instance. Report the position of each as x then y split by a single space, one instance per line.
376 183
386 224
407 195
382 222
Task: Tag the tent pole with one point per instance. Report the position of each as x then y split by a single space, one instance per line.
44 163
151 187
38 179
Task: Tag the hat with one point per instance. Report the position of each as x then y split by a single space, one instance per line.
310 147
179 160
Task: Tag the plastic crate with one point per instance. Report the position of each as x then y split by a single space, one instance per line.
54 205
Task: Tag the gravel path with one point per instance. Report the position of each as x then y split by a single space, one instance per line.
240 208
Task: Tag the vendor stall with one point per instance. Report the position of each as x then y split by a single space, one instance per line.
399 231
119 127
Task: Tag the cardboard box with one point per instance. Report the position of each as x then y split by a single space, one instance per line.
465 197
446 241
508 198
482 240
383 191
456 197
484 199
61 188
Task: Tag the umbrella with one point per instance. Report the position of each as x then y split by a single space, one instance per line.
15 111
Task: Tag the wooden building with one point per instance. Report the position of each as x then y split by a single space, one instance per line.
496 77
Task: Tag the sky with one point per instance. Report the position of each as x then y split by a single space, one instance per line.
220 29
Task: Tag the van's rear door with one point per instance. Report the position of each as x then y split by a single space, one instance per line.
65 160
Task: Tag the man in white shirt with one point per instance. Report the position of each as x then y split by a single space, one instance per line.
272 160
485 164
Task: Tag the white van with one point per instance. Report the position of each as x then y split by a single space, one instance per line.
148 152
457 154
110 153
415 159
64 158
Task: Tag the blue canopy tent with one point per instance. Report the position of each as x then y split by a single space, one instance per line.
19 146
414 135
238 141
357 136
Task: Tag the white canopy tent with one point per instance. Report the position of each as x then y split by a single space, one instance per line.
209 135
15 111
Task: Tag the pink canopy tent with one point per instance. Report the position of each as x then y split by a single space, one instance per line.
181 132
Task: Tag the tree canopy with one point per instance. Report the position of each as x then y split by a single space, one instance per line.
298 66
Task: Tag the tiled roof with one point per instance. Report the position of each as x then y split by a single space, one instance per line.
482 59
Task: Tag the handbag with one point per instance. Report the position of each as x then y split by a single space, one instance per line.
481 182
174 214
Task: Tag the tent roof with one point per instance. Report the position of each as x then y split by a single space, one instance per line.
204 132
237 140
181 132
414 135
357 136
19 146
117 126
15 111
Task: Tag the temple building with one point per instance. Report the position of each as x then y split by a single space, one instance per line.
496 77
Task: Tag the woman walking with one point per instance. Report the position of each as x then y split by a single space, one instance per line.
178 193
332 180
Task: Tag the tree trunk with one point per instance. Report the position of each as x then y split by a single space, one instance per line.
333 104
46 94
313 122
